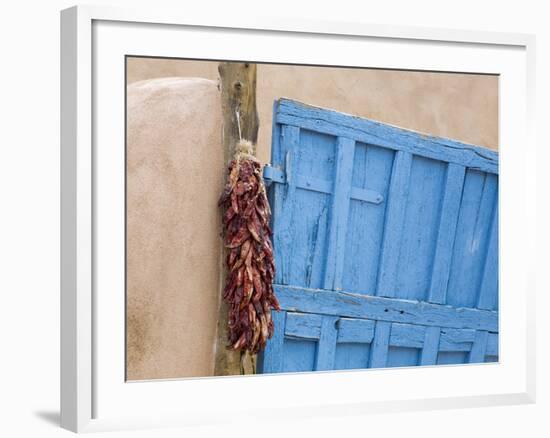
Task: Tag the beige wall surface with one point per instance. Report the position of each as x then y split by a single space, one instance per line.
174 177
175 172
463 107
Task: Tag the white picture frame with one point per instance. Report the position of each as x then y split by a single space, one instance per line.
94 41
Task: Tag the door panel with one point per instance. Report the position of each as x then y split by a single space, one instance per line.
386 245
371 171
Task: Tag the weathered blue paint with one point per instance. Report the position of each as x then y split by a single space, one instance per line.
479 201
326 349
447 229
354 305
271 361
363 243
338 216
488 293
386 245
272 174
479 347
395 217
380 344
430 346
334 123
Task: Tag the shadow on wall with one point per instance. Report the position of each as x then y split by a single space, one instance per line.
51 417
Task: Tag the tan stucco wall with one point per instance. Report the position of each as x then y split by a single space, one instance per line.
175 169
174 177
458 106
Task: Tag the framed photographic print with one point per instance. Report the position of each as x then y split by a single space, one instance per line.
327 214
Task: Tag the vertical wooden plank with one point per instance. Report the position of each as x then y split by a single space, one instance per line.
338 218
284 203
431 346
238 93
372 168
483 235
395 213
276 153
275 191
486 208
420 228
326 350
446 235
488 292
472 238
380 345
273 353
479 347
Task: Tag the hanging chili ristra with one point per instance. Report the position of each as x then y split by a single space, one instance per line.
250 263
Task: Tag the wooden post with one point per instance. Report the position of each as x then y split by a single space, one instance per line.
238 93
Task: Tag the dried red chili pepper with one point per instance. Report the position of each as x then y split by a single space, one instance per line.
250 263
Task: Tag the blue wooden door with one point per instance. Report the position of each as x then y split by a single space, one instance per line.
386 245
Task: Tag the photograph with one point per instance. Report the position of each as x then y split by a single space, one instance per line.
230 219
284 218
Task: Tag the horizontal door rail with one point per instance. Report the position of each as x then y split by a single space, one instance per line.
375 133
353 305
272 174
308 326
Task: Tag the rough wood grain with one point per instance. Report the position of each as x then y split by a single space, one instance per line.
379 354
399 188
238 90
274 351
372 132
390 277
353 305
326 348
446 233
339 210
431 346
238 94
